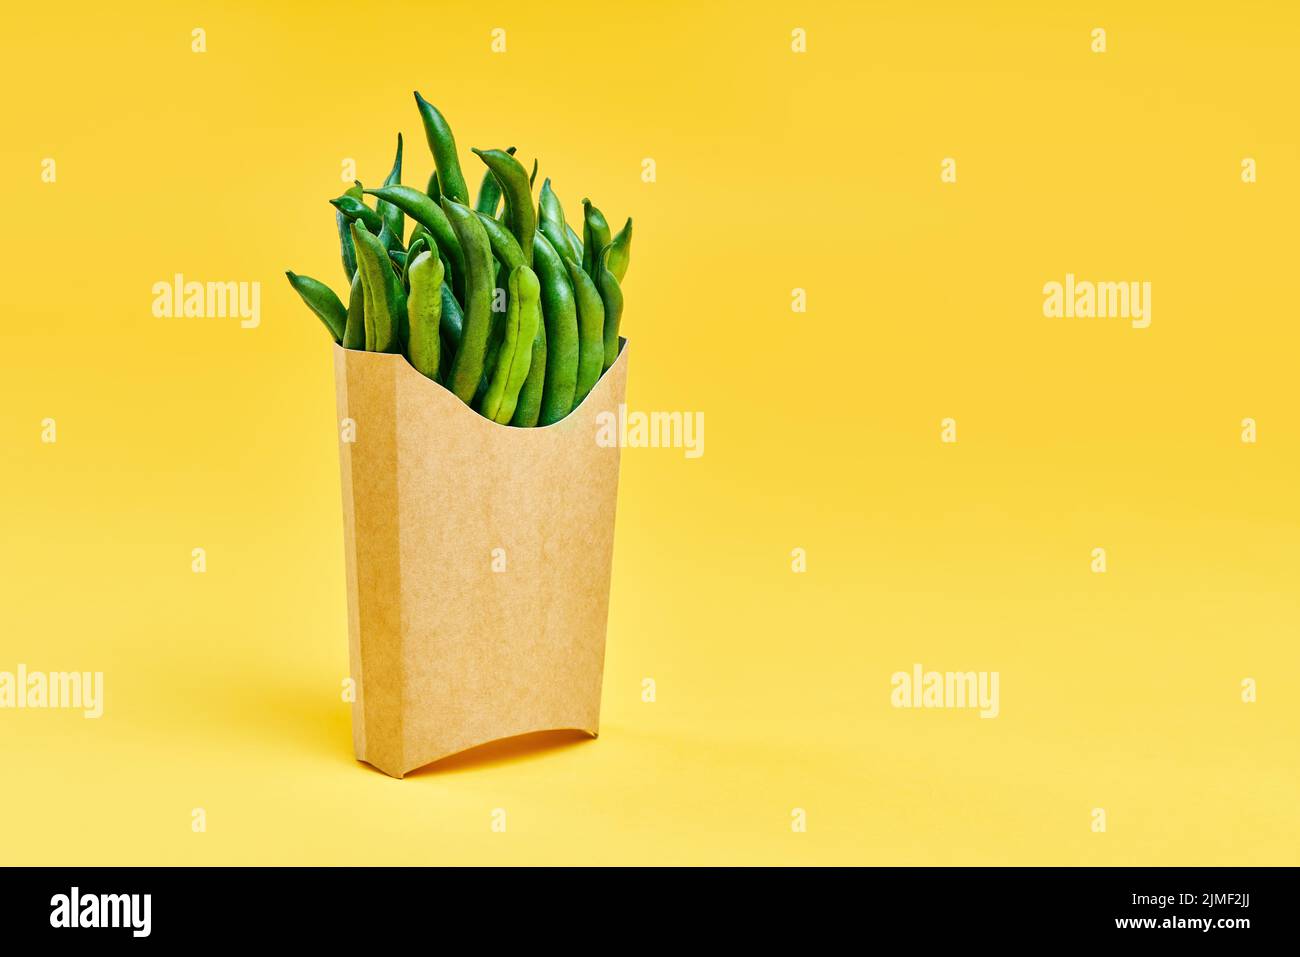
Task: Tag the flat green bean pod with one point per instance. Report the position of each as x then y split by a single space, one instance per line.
419 231
620 251
451 327
385 300
489 192
591 331
513 179
390 242
418 244
424 307
560 315
321 300
595 236
341 223
550 218
391 215
443 146
573 242
529 407
514 357
503 244
453 320
480 277
612 297
354 333
354 209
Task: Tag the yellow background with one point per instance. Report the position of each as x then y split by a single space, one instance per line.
775 171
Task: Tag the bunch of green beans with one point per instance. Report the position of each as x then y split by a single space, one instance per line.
501 302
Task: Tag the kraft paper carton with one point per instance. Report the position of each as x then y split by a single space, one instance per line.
478 564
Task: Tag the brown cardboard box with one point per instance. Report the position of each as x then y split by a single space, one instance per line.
478 564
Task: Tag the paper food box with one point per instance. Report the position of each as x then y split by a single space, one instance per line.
478 563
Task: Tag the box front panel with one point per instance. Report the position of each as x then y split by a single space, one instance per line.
506 539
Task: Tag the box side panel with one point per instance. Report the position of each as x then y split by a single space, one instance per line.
607 405
350 553
371 404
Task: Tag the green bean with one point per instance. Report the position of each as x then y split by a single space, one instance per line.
418 244
489 192
550 218
489 195
508 253
496 336
354 334
595 236
385 300
391 243
612 296
489 363
523 313
391 215
451 326
620 251
321 300
467 367
354 209
348 254
504 246
591 331
529 407
495 295
422 209
453 320
424 307
513 180
561 320
446 266
368 300
573 242
418 232
443 146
